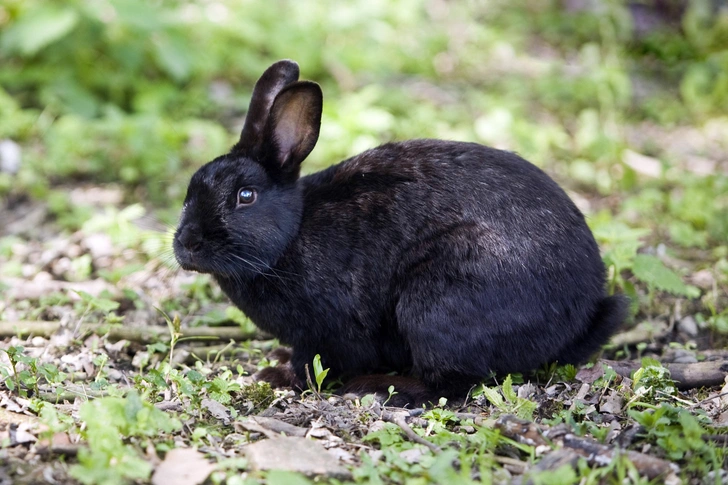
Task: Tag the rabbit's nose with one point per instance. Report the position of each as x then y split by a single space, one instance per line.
190 240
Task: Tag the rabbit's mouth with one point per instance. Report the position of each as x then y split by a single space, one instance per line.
187 253
188 261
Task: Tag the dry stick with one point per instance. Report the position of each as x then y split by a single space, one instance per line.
504 460
311 387
409 432
526 432
722 394
117 332
69 394
478 419
716 438
687 376
278 426
555 460
66 450
641 333
597 453
207 352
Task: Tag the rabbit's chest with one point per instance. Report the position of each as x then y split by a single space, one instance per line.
344 304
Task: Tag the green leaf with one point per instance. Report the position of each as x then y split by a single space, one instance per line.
104 304
172 56
563 475
236 315
494 397
281 477
319 371
687 236
38 28
613 231
107 421
508 391
652 271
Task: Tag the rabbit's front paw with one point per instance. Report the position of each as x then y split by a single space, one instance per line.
281 375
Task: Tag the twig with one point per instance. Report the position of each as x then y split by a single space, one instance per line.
553 461
278 426
478 419
674 398
310 385
145 334
595 453
722 394
395 418
504 460
520 430
216 352
70 395
716 438
644 332
65 450
687 376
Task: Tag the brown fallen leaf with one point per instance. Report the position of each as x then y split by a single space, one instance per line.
279 426
182 466
611 403
20 434
590 375
217 410
294 454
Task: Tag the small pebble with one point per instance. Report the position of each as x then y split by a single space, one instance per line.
28 270
10 158
74 251
99 245
115 375
688 326
682 356
42 276
703 279
61 266
38 342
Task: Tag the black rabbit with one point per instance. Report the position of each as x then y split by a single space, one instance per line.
444 260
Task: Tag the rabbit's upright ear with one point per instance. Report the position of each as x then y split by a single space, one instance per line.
293 128
270 84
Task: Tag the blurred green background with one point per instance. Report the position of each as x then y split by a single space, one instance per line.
624 102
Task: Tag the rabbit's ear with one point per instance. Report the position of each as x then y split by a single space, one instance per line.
273 80
293 127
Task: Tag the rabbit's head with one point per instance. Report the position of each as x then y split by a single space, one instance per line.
242 209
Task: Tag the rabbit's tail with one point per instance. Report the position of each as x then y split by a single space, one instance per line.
609 315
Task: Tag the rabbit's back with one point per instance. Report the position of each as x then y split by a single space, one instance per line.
406 195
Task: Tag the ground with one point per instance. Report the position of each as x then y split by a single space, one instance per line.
118 367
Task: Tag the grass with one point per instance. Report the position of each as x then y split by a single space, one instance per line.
114 104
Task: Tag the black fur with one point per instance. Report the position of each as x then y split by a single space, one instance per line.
444 260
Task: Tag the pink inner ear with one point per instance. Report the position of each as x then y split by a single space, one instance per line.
291 129
287 136
294 122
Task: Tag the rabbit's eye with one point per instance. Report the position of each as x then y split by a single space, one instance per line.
246 196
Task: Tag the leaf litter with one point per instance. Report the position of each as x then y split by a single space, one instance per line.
225 415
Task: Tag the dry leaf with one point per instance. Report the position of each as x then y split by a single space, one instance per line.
294 454
182 466
217 410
